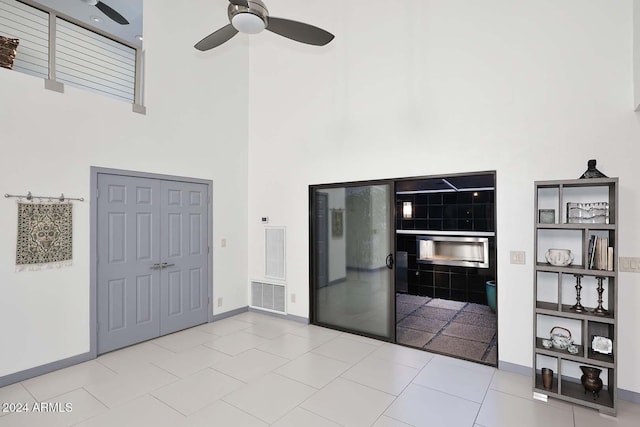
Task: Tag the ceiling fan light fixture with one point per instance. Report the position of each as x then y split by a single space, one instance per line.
248 23
90 2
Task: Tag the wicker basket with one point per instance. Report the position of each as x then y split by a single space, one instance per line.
8 49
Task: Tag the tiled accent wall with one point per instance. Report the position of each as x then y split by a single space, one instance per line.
447 282
447 212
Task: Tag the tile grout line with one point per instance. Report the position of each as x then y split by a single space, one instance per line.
490 345
439 333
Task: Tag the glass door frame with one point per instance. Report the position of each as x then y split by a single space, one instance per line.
313 262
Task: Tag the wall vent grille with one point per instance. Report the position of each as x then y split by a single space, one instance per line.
268 296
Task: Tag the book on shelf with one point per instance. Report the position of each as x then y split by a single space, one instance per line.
592 250
600 254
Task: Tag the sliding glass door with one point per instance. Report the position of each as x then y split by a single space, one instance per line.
352 249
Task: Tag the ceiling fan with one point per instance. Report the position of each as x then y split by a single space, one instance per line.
252 16
111 13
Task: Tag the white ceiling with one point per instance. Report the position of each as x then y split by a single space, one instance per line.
130 9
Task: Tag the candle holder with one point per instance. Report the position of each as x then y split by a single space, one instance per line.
600 310
578 307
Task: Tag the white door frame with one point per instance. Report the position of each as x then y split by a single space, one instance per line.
93 256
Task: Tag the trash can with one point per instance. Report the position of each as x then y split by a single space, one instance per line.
490 288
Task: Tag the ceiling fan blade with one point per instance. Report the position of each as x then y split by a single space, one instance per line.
112 14
244 3
217 38
298 31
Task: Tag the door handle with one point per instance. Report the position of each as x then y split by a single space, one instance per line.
161 266
389 261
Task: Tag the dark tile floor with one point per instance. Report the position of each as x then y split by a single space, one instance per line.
453 328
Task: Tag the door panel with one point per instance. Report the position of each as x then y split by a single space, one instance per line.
144 241
144 299
117 304
184 211
359 295
152 258
195 284
128 286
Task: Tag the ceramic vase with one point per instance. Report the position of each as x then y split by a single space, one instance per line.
547 378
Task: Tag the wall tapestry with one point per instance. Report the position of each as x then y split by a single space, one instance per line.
44 235
337 223
8 48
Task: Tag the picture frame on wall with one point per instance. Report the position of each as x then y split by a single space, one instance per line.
337 223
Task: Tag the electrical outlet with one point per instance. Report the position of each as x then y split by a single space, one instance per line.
629 265
517 257
220 302
293 298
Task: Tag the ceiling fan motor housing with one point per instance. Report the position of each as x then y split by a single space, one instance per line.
244 18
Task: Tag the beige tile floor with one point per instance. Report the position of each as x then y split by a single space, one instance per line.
258 370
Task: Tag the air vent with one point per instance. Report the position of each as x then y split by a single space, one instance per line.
268 296
275 253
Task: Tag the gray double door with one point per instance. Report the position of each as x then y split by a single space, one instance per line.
152 258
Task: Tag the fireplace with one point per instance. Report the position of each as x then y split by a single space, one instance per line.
464 251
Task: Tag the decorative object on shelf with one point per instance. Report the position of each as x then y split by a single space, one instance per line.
578 307
559 257
588 213
602 345
573 349
547 378
600 310
591 171
547 216
559 340
8 49
546 343
591 380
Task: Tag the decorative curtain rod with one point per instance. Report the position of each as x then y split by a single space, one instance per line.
30 197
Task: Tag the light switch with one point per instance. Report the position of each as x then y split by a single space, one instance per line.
629 265
223 243
517 257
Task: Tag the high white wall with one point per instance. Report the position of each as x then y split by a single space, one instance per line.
196 126
531 89
636 53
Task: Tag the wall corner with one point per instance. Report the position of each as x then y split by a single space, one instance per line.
636 55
